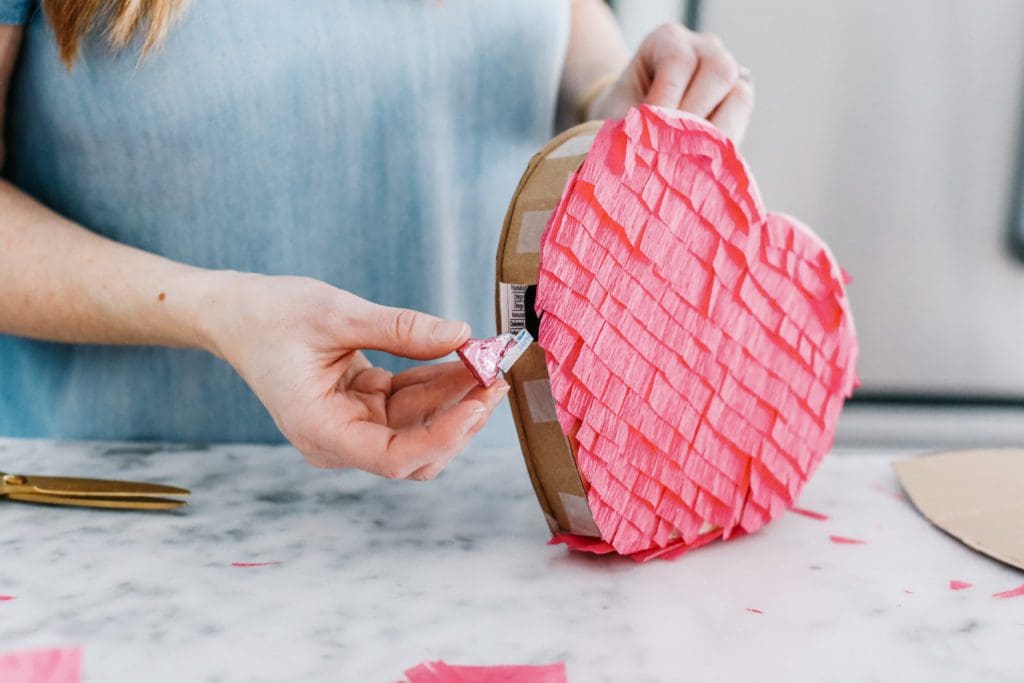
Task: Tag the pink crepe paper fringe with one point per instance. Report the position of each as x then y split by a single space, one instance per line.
699 347
50 665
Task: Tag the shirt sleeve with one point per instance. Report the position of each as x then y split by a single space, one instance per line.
16 11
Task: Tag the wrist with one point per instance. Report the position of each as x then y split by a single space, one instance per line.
219 296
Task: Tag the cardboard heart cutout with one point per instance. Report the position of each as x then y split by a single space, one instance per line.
976 496
698 349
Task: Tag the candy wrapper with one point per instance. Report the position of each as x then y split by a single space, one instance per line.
487 359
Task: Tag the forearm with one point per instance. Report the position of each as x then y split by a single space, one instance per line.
596 49
64 283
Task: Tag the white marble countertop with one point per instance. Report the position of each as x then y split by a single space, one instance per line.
376 576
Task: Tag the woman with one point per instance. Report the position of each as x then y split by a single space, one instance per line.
244 180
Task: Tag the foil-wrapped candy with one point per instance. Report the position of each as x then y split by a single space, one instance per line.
487 359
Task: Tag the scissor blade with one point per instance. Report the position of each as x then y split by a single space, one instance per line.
98 487
124 503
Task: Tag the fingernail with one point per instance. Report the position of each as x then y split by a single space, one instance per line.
448 331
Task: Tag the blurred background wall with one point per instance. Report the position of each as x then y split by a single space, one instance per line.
893 128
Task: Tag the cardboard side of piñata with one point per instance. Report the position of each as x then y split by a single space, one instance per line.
546 450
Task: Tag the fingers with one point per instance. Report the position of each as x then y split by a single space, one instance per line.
695 73
401 331
716 76
490 397
672 58
397 454
424 373
371 381
362 375
420 403
404 401
372 386
733 115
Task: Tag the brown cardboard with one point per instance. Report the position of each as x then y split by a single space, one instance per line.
976 496
546 450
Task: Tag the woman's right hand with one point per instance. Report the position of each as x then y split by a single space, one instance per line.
297 343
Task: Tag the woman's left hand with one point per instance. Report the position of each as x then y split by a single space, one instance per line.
677 68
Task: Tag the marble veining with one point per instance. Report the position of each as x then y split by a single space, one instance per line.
376 576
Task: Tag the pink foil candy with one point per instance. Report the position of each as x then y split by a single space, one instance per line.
488 358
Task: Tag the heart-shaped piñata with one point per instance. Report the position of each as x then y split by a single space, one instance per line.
699 348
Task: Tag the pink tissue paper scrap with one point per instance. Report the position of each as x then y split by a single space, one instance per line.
488 358
821 517
891 492
51 665
955 585
1012 593
440 672
843 540
699 347
6 598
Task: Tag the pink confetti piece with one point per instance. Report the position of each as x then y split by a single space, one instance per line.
955 585
1012 593
809 513
895 495
255 564
51 665
843 540
699 348
754 610
439 672
6 598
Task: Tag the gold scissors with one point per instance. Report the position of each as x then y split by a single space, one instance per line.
95 493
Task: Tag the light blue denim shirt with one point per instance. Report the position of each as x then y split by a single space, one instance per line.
373 145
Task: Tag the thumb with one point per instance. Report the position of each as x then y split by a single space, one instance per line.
404 332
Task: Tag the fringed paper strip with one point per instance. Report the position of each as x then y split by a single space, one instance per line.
699 348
